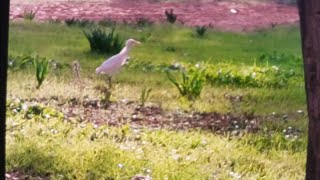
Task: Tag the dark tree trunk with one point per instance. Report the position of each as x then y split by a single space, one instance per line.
309 11
4 26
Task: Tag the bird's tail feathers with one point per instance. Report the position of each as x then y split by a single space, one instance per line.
98 70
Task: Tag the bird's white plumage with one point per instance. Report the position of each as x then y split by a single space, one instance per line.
114 63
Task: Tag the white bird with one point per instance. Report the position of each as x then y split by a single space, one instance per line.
112 65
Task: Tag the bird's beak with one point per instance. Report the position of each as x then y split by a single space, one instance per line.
137 42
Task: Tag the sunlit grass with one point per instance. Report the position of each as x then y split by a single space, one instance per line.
74 151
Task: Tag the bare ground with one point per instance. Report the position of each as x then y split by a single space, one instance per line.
246 17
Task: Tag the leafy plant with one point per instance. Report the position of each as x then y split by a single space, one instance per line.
171 17
102 42
145 94
191 83
42 68
201 30
29 15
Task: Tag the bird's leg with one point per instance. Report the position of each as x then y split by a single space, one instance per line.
109 81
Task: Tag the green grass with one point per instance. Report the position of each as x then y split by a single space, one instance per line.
70 154
67 44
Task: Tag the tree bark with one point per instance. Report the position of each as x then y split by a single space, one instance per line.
309 11
4 26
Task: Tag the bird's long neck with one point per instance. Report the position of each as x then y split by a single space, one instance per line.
125 51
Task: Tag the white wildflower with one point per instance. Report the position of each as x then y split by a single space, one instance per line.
24 107
254 75
120 166
275 68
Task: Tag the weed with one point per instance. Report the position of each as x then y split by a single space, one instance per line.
201 30
76 71
29 15
42 67
106 94
170 49
191 84
145 94
107 22
78 22
102 42
145 37
141 22
54 21
171 17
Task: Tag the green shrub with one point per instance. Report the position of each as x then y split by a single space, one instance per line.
271 77
201 30
102 42
278 57
171 17
191 83
230 75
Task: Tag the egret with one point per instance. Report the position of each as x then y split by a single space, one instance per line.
112 65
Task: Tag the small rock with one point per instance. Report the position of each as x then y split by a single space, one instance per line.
300 111
285 117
